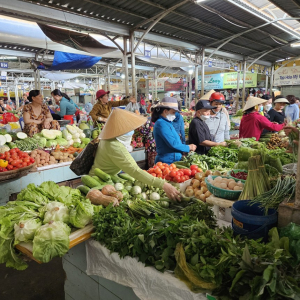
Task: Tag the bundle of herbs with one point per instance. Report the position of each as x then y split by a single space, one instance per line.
284 190
257 181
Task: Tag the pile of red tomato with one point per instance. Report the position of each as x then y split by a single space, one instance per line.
14 159
172 173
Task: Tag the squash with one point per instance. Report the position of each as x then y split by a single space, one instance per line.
97 198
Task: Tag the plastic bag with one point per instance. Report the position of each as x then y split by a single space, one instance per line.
292 231
9 117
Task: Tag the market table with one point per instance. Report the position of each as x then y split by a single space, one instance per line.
93 273
57 173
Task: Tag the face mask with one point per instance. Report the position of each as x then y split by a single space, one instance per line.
171 118
125 139
204 118
268 106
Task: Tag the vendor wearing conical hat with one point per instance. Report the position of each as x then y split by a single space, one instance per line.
112 154
252 123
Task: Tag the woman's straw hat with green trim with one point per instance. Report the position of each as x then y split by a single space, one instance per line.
207 95
119 122
253 101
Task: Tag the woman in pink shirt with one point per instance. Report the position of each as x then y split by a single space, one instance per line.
253 123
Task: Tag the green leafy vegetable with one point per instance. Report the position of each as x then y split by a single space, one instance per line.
81 214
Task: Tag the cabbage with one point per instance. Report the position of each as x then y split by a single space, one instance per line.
49 134
4 148
51 240
81 214
62 142
70 142
56 211
51 144
58 133
25 230
42 142
154 196
66 135
82 135
71 129
76 136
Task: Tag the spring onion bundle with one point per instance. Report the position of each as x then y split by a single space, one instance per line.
257 181
284 189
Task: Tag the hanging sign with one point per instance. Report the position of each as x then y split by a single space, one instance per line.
3 78
210 63
212 81
230 80
4 65
235 68
147 53
287 76
160 85
118 74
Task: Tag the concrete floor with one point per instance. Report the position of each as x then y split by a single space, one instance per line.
37 282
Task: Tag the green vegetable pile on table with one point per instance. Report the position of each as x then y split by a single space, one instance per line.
44 216
207 258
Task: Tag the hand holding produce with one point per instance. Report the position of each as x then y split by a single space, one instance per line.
172 192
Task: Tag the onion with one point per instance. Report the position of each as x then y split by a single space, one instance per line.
199 175
207 173
202 197
189 192
207 194
231 185
196 183
223 185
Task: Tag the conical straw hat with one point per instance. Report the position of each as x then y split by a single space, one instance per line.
120 122
253 101
207 95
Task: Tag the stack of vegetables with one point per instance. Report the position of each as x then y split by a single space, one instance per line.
184 239
42 215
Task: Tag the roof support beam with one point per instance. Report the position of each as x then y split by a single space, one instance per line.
155 20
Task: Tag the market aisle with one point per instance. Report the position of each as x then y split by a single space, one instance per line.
37 282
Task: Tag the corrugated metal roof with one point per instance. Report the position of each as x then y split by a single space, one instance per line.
206 24
291 7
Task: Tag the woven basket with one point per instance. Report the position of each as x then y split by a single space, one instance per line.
236 171
221 193
16 173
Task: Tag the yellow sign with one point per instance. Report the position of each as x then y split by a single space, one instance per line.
230 80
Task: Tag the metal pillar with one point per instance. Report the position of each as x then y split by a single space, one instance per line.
155 83
125 66
237 97
133 82
190 89
244 83
196 81
38 79
147 89
202 71
272 81
186 92
8 93
35 80
267 83
108 78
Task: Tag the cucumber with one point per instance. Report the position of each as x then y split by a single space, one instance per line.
11 145
126 177
83 189
8 138
89 181
2 140
115 179
98 179
21 135
99 187
102 175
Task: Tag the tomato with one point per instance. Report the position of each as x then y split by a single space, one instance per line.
180 173
4 170
7 156
177 178
168 177
14 156
24 164
153 174
194 172
199 170
31 159
159 164
157 171
12 151
187 172
20 165
151 170
1 169
26 160
15 162
173 166
9 167
159 175
194 167
166 171
2 156
173 173
17 150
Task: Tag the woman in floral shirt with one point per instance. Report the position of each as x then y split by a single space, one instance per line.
37 115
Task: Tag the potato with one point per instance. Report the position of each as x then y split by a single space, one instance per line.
189 187
196 183
189 193
204 189
42 162
207 194
199 175
231 185
218 179
203 183
207 173
198 194
202 198
223 185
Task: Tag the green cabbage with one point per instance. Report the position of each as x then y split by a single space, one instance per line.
62 142
81 214
25 230
56 211
42 142
49 134
51 240
51 143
